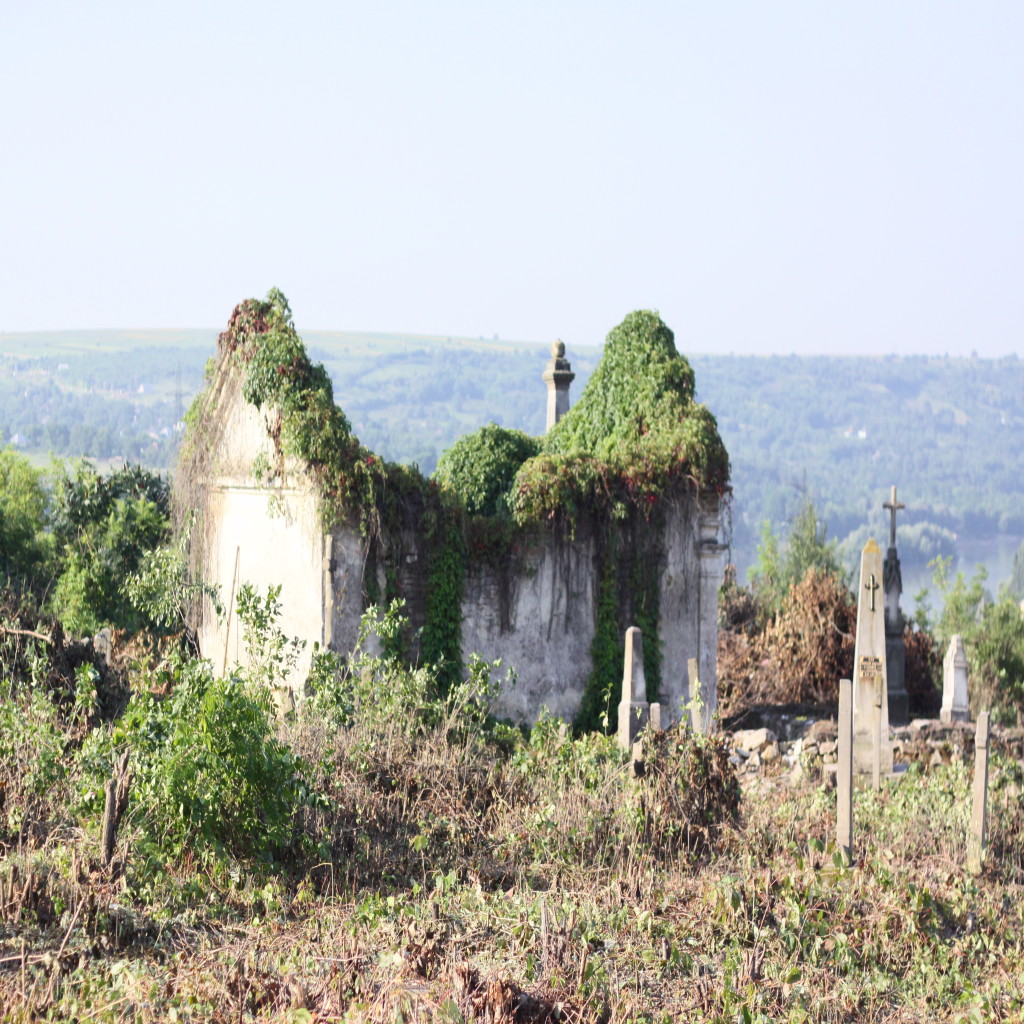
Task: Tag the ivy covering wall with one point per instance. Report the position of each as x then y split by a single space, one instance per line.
634 437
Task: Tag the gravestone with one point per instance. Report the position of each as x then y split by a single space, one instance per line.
979 809
634 711
954 683
895 647
102 644
872 749
656 725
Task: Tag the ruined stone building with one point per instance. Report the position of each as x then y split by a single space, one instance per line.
610 520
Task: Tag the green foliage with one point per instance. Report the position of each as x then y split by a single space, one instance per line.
993 635
599 704
642 384
209 772
378 691
634 430
807 550
163 588
441 640
480 468
102 529
24 546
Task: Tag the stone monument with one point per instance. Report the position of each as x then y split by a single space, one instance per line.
895 648
954 683
872 749
558 376
634 711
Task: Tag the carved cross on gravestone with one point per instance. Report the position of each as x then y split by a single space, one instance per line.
871 587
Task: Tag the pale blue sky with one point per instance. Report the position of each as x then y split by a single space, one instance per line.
773 177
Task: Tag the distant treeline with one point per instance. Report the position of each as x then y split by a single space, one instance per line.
840 431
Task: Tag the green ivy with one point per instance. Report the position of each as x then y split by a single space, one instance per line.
599 707
479 468
634 431
441 640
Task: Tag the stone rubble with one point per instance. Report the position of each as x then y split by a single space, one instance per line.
808 748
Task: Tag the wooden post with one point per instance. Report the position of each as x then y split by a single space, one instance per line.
876 729
844 773
696 704
231 608
979 812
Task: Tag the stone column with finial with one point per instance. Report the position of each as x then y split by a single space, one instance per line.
895 648
558 376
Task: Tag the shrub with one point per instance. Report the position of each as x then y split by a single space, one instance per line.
479 468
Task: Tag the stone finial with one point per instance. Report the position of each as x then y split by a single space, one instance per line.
558 376
634 711
954 683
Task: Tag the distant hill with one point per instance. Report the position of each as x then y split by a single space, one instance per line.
948 432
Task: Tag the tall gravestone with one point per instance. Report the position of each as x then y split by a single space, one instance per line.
955 707
895 647
634 711
872 749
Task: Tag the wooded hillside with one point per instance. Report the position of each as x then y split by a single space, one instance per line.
840 430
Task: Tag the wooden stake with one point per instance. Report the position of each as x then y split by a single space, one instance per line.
844 773
979 812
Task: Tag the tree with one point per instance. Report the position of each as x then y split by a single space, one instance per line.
24 546
807 548
102 529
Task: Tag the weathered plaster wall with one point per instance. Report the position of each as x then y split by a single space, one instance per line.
262 535
536 615
539 620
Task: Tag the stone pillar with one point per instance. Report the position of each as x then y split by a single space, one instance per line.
711 557
954 683
872 749
634 711
558 376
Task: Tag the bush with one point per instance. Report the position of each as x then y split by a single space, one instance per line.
480 468
208 770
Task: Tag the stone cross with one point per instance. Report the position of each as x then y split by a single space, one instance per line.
558 376
954 683
634 711
872 749
895 647
893 506
844 773
979 811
